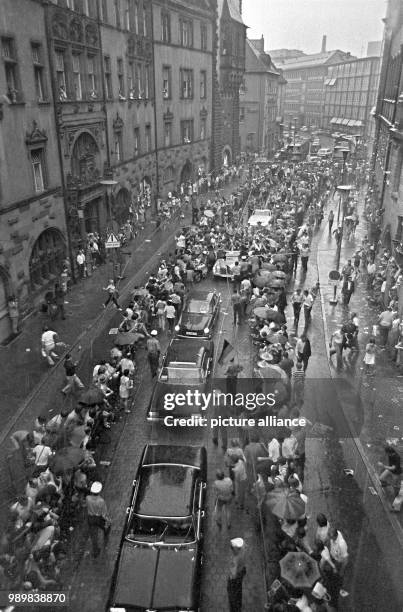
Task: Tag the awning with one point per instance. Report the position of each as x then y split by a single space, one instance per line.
344 121
334 120
330 82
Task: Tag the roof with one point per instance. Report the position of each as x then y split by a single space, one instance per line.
165 490
187 349
260 62
308 61
233 7
191 456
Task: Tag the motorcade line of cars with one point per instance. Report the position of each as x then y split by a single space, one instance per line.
160 555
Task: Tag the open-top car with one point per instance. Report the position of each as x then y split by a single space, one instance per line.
199 315
185 366
225 263
260 217
159 562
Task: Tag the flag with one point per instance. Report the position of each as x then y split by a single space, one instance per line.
227 353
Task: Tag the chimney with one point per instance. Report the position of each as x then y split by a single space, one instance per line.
323 50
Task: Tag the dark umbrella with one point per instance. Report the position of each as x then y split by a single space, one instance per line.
92 397
278 283
285 504
279 257
66 459
348 328
127 338
268 266
299 569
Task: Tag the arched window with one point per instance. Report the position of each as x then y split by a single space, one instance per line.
48 254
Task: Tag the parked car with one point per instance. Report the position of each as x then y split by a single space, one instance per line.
186 365
199 315
160 556
225 262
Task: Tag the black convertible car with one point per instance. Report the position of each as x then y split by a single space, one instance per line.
159 562
199 315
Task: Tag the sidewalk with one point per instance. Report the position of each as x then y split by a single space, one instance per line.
378 418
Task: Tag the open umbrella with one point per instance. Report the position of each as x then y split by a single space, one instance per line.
140 292
279 274
277 283
272 371
285 504
272 243
127 338
261 312
348 328
209 214
92 396
66 459
299 569
267 266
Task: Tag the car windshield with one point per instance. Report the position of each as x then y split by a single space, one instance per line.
199 306
158 530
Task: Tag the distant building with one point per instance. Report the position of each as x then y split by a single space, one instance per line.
305 76
374 48
280 55
229 74
388 145
259 127
350 95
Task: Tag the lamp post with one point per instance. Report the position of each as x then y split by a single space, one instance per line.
109 184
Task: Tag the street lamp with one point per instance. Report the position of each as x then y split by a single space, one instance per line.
109 184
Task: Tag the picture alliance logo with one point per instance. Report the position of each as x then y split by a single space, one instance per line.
217 399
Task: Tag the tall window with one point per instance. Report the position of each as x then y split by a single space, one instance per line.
136 17
166 82
145 25
121 77
165 27
92 76
203 128
127 14
203 84
10 67
131 81
186 32
38 169
104 11
186 83
38 71
203 36
138 85
117 13
60 70
136 141
77 84
167 134
187 131
148 138
118 146
108 77
146 82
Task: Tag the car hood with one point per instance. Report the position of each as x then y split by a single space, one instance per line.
194 321
155 578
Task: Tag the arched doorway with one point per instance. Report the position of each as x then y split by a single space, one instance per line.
47 256
121 206
186 173
226 157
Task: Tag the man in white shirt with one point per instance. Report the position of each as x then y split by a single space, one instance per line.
273 449
42 454
308 303
170 313
81 263
338 550
289 447
48 342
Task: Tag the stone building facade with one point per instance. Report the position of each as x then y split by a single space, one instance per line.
183 76
387 159
229 74
33 238
259 127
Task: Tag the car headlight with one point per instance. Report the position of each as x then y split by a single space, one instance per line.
177 328
206 330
